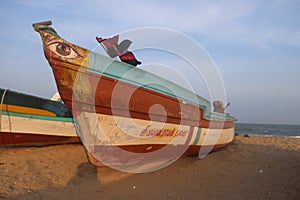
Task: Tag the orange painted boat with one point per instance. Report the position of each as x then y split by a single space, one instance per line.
126 116
27 120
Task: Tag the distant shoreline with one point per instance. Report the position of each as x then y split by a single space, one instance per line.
259 123
267 129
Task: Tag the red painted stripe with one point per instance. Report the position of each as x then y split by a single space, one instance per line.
28 139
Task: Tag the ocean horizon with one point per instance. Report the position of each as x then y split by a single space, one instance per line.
292 130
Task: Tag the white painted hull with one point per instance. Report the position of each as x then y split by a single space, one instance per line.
119 141
36 130
18 124
115 130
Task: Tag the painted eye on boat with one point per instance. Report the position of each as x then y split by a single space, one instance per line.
63 49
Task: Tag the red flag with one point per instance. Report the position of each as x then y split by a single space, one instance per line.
113 49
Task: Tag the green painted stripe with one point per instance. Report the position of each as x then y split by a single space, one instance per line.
42 117
197 136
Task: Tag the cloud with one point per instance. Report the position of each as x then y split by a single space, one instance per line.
249 23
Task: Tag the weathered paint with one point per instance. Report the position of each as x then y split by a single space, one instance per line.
114 106
116 130
19 124
31 120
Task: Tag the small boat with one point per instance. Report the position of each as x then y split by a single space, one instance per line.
126 116
27 120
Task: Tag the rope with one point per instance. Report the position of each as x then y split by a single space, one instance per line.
2 99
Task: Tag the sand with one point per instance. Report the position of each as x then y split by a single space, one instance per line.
254 167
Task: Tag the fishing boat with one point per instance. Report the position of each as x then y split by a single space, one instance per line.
124 114
27 120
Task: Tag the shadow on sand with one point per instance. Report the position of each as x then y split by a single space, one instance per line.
241 171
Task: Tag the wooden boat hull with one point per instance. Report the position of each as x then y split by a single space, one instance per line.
27 120
126 115
120 141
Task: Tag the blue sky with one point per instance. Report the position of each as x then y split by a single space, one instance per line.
255 45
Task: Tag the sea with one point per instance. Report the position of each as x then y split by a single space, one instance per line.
268 129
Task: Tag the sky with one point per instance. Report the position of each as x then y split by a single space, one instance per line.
255 45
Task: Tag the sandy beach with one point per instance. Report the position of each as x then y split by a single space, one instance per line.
254 167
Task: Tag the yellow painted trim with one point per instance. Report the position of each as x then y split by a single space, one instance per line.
26 110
